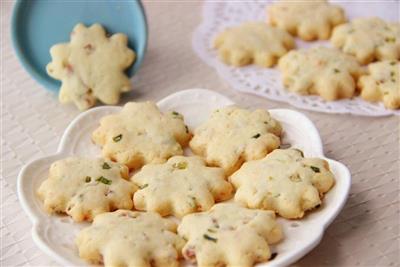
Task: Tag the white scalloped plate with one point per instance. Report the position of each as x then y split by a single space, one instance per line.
55 234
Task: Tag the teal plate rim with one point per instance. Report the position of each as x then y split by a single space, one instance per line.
50 83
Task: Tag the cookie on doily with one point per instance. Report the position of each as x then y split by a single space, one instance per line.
252 42
368 39
323 71
309 20
382 83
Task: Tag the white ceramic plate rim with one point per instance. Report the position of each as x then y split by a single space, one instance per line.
313 136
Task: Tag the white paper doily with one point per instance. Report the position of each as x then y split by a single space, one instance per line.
267 82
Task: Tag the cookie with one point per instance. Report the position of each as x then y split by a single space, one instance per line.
130 238
141 134
320 71
83 188
91 66
180 186
229 235
368 39
233 135
252 42
309 20
382 83
284 181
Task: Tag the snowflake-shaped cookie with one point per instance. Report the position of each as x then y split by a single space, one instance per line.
253 42
320 70
368 39
91 66
382 83
284 181
83 188
229 235
180 186
309 20
141 134
233 135
130 238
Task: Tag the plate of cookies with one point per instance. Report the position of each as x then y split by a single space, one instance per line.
191 180
343 60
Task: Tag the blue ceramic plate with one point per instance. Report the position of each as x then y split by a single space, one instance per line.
37 25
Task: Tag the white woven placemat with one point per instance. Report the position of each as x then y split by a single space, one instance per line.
366 233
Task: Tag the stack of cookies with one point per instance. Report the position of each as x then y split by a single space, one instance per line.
225 197
332 72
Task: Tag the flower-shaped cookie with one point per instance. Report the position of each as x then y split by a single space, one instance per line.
129 238
141 134
180 186
229 235
382 83
320 70
83 188
368 39
284 181
91 66
309 20
233 135
253 42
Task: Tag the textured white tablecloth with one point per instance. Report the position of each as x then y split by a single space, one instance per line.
365 233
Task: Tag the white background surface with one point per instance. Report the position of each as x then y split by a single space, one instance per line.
366 233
